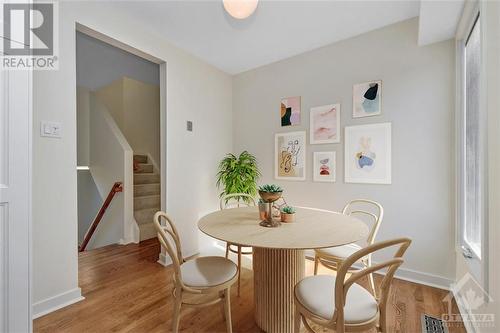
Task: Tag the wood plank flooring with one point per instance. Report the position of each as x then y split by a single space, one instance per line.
126 290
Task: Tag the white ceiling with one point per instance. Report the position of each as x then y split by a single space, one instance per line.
438 20
277 30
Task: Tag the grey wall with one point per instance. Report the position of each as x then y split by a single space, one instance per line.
89 202
99 64
417 98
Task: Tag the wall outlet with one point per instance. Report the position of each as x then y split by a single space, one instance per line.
50 129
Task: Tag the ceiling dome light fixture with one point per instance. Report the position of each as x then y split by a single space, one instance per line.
240 9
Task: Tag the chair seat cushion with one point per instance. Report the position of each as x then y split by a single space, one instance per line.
207 271
317 294
343 251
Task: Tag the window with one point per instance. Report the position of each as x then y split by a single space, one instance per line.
474 147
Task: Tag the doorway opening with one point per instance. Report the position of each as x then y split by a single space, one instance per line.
120 140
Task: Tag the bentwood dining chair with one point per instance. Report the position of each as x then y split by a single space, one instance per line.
236 200
202 281
339 302
332 257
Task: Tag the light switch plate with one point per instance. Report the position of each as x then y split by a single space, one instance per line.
50 129
189 126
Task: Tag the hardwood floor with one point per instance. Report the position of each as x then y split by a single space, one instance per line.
127 291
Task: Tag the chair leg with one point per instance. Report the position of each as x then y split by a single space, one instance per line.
372 284
296 320
316 264
227 250
227 310
368 263
239 270
222 306
177 313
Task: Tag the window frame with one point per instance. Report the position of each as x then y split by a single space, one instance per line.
477 262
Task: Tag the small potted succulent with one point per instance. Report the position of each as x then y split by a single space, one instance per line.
270 192
287 214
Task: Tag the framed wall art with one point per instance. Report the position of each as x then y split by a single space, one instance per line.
368 154
324 166
325 124
290 156
367 99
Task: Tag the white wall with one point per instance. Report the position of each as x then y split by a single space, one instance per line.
110 161
82 130
194 91
99 64
417 98
135 106
89 202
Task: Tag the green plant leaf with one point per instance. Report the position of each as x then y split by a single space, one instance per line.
238 174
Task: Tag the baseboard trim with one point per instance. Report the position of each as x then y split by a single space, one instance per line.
427 279
414 276
57 302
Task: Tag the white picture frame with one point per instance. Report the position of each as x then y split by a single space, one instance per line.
364 107
324 124
290 156
324 162
368 154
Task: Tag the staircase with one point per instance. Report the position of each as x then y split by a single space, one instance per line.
146 196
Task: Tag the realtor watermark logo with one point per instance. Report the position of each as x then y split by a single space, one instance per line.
472 298
30 39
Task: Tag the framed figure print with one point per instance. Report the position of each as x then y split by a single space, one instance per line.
290 156
368 154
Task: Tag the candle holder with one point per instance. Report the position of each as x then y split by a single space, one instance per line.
269 198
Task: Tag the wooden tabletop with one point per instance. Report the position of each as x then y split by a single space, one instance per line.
312 229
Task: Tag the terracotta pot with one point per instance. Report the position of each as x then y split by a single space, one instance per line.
287 217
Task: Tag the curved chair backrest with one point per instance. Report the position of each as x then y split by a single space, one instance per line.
342 284
366 208
169 239
236 200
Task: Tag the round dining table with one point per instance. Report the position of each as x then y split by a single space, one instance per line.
278 253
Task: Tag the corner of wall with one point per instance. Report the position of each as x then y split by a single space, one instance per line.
57 302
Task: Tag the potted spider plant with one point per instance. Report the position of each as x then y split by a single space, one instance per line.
287 214
238 174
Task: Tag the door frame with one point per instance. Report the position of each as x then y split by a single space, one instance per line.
16 243
163 99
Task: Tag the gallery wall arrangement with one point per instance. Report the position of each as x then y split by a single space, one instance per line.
367 148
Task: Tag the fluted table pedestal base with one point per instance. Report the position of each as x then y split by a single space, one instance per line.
276 271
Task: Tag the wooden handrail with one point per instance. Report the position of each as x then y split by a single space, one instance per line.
117 187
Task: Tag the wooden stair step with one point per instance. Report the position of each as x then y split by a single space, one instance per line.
144 168
147 189
141 158
148 201
146 178
144 216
